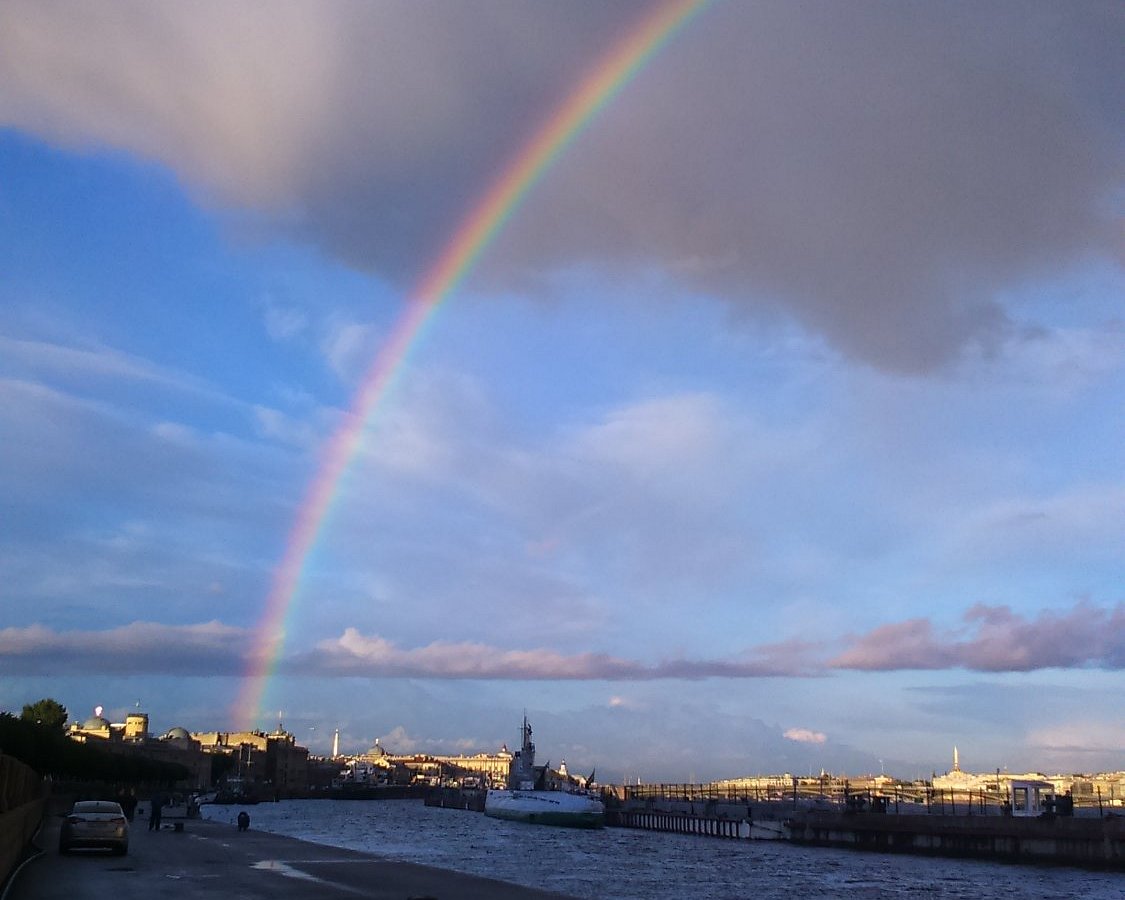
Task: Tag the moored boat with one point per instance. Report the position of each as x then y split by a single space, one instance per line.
546 808
525 800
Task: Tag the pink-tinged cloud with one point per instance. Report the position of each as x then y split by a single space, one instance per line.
990 639
354 653
995 639
805 736
211 648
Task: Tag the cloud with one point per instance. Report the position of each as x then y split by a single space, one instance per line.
1062 362
1071 522
399 740
82 365
297 431
1078 735
206 649
805 736
347 347
654 479
283 323
61 442
995 639
212 648
881 174
656 439
354 653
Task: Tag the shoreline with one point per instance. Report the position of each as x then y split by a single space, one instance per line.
208 859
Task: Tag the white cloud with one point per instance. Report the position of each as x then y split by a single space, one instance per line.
348 348
276 425
658 439
805 736
77 367
175 433
1075 520
399 740
1079 735
284 323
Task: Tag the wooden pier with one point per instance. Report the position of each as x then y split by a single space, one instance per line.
679 823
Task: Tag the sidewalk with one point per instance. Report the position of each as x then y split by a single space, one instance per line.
208 860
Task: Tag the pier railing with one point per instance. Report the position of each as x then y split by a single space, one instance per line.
895 797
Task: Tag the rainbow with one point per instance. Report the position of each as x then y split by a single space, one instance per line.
470 240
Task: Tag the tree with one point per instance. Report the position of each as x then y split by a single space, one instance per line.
50 752
47 712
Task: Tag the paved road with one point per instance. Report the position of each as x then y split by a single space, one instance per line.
211 860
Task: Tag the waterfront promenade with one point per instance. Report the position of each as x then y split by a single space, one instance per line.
208 860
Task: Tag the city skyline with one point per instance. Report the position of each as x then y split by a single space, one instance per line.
779 425
98 726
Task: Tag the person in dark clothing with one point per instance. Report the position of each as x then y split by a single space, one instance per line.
129 803
154 813
244 821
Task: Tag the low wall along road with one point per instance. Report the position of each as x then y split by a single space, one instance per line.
21 810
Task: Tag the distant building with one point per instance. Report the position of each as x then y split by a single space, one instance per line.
378 766
957 781
323 772
271 761
132 737
1106 789
136 727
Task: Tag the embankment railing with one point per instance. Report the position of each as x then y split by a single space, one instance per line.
899 797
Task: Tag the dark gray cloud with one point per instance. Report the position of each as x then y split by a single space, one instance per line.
880 172
140 648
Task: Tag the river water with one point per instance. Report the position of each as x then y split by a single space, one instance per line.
627 864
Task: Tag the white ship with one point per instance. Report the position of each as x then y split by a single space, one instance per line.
524 800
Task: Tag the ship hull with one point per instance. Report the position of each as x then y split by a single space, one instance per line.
546 808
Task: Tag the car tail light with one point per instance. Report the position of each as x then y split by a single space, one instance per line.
117 820
75 820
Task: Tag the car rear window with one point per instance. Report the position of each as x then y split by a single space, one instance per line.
97 806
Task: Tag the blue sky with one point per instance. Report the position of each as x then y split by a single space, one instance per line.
780 430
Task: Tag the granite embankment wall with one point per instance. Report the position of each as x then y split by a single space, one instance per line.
21 811
1089 840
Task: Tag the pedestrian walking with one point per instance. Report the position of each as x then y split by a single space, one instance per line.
154 813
